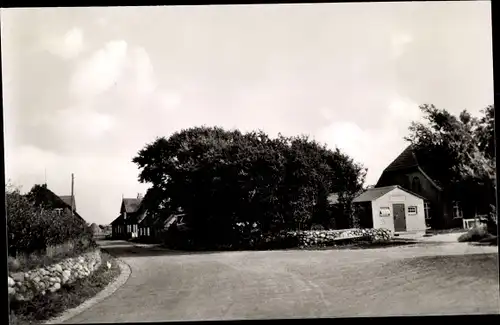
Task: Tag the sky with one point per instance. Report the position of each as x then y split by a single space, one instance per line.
85 88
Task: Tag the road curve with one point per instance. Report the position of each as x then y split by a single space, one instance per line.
428 279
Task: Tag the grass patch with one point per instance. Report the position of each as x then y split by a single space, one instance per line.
24 263
42 308
444 231
493 241
475 234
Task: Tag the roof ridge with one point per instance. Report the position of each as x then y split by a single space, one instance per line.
381 187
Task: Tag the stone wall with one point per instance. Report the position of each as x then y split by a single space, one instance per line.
26 285
330 237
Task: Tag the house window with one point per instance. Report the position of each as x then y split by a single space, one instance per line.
457 210
385 212
147 231
427 209
58 211
412 210
124 215
415 185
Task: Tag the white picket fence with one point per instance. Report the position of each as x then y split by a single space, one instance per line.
470 223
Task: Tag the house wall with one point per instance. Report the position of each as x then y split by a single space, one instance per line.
413 222
118 231
440 207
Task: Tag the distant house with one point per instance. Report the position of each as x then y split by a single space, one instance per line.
118 228
153 229
126 225
42 196
391 207
405 171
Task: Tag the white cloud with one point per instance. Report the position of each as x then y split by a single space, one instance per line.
100 72
68 46
81 123
399 42
128 71
327 113
377 146
402 112
145 82
169 100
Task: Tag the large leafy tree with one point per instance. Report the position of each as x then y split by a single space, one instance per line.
221 178
485 132
458 152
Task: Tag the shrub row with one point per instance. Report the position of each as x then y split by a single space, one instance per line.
32 229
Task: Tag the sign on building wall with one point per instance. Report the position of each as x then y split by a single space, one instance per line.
385 212
396 198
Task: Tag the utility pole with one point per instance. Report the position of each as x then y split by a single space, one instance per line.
72 194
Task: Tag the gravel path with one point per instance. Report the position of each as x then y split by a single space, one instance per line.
423 279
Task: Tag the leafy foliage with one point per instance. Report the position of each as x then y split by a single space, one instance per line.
475 234
32 228
220 178
458 152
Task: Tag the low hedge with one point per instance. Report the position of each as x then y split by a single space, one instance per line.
476 234
32 229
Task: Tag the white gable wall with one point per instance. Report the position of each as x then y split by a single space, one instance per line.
413 222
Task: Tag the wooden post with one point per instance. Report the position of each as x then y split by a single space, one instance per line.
72 194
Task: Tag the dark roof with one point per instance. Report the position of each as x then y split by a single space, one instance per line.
141 217
132 205
118 219
45 196
67 199
406 159
374 193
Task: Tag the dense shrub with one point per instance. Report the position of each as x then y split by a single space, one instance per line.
32 230
475 234
492 221
282 240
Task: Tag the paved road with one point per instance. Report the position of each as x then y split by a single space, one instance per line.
450 278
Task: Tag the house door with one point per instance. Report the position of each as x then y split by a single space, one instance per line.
398 211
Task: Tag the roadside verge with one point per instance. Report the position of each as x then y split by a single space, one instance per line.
125 272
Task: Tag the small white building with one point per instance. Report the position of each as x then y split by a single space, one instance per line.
391 207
